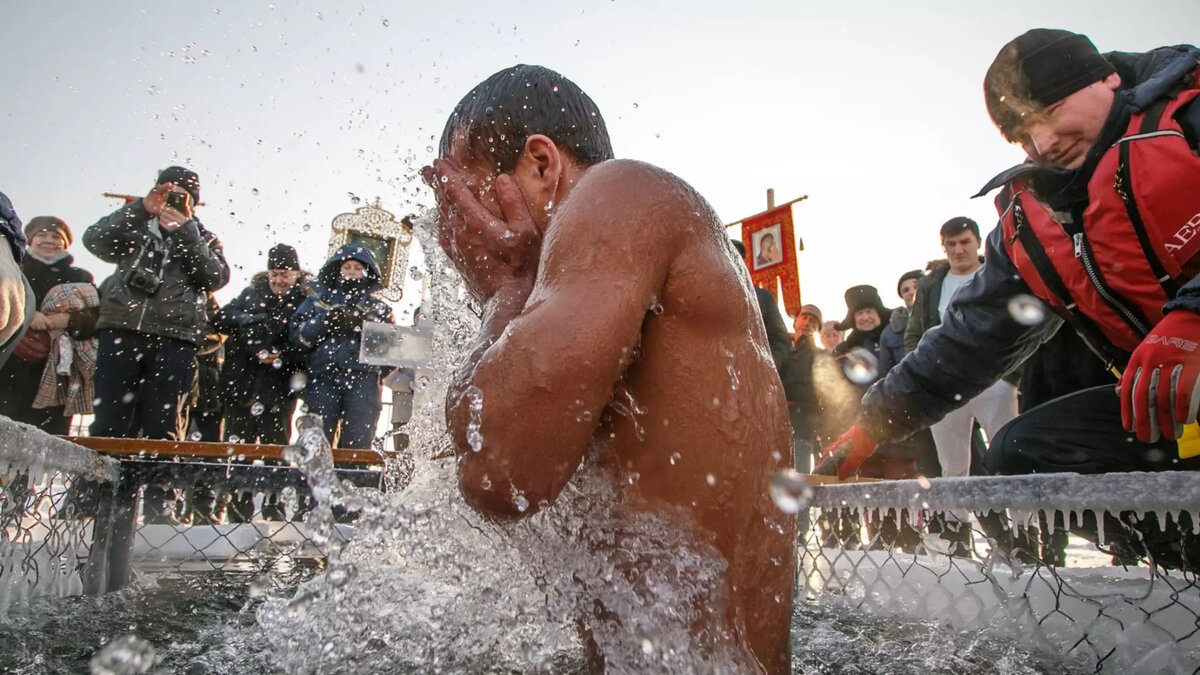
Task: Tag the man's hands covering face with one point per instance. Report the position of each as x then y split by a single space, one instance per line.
488 250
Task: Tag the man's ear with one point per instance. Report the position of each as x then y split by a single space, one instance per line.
539 171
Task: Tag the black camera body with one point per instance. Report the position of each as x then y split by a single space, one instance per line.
145 274
144 279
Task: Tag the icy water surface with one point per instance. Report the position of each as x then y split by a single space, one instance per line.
203 624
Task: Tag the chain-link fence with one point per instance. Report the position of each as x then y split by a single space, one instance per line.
73 520
1016 554
48 491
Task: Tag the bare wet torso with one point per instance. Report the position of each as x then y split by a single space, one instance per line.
699 422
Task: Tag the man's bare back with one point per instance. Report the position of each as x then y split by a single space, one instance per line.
616 318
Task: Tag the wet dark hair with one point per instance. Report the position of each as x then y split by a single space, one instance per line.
503 111
958 225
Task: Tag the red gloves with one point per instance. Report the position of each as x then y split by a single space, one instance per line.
847 453
1160 389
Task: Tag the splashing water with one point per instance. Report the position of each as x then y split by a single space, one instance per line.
789 491
427 584
861 366
127 655
1026 310
475 423
625 405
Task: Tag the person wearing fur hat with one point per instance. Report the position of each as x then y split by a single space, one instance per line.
152 316
47 265
260 363
865 316
343 391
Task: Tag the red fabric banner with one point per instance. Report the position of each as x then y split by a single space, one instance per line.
770 243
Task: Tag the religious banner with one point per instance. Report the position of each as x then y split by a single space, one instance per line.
771 254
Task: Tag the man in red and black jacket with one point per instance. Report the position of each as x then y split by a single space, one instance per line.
1100 225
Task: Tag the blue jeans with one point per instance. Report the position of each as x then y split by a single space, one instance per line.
352 398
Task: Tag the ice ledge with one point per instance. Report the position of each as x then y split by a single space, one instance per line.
1112 492
27 448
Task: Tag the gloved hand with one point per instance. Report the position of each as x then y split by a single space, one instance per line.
1160 388
846 454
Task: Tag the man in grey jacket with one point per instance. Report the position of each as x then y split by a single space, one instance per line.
152 317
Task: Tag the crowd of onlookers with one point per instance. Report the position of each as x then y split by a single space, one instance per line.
151 354
824 383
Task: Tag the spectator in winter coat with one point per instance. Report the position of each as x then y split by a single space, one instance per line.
804 405
152 317
46 265
865 320
891 342
328 326
831 336
997 404
768 306
262 370
16 297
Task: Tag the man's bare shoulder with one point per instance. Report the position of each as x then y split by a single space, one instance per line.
636 196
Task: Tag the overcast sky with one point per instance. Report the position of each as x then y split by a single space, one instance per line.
290 110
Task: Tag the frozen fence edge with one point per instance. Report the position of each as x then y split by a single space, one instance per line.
46 526
986 554
24 447
1112 492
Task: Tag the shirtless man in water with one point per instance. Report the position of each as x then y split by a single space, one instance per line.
595 276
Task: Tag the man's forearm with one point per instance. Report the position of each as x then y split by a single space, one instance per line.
499 310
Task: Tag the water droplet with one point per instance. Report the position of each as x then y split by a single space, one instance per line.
474 432
1026 310
385 22
298 381
445 179
127 397
126 655
710 479
306 227
258 587
861 366
520 502
342 574
257 409
234 438
789 491
195 436
263 355
254 191
675 457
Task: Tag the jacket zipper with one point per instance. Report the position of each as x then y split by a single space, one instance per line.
1084 253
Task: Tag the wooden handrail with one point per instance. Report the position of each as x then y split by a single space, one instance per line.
127 447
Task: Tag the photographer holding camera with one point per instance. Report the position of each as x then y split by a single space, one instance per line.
152 314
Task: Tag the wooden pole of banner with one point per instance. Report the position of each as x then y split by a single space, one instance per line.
772 205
